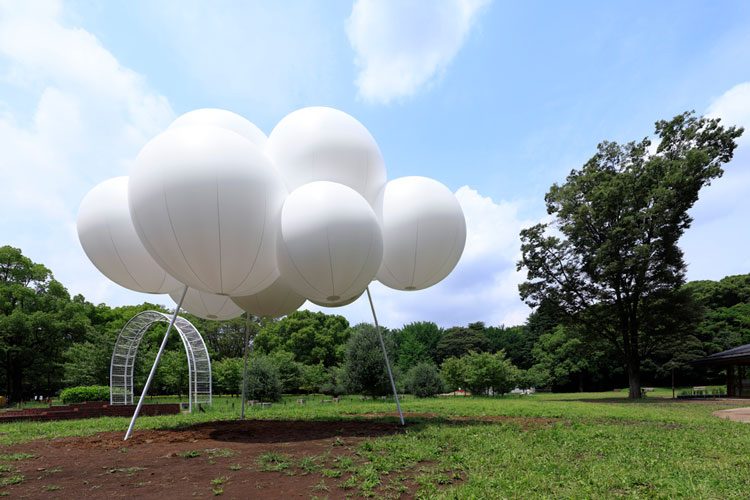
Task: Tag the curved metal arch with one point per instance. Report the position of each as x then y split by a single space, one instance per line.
126 348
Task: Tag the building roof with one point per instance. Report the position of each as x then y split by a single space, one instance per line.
732 356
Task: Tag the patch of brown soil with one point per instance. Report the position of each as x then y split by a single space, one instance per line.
194 462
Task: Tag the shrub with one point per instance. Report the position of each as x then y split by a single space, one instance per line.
424 381
365 364
84 393
263 382
227 375
337 382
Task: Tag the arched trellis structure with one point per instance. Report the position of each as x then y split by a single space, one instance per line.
126 348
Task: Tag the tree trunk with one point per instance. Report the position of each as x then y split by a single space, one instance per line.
634 379
16 385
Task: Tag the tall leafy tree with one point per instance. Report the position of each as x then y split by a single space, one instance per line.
459 341
38 322
612 258
365 364
313 337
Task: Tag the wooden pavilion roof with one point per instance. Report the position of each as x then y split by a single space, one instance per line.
738 355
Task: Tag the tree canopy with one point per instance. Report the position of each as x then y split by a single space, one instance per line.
610 259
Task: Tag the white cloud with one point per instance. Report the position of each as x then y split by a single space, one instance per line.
401 46
89 118
483 287
716 245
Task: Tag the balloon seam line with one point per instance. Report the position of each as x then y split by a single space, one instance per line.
119 257
294 264
218 228
369 251
177 241
455 241
330 263
260 243
416 251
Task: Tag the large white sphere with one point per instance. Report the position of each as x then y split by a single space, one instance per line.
224 119
424 232
330 244
274 302
109 239
205 202
207 305
324 144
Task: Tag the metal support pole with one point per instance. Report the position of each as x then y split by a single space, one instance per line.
385 354
156 362
244 370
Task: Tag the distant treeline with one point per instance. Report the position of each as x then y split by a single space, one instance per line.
50 341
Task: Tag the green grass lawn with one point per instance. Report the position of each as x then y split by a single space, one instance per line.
590 445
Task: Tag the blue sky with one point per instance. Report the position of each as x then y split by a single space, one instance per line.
495 100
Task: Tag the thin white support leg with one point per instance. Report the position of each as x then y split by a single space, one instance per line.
385 354
244 370
156 362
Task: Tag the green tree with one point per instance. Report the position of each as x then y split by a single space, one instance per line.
290 372
365 364
313 337
225 339
337 381
172 374
38 323
458 342
619 219
453 373
313 377
513 340
423 380
227 375
262 383
564 357
485 372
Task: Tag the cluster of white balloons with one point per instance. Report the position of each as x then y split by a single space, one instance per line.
260 224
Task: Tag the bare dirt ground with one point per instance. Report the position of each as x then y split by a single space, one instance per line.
202 461
735 414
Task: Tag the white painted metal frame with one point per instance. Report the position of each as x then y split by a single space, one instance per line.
126 349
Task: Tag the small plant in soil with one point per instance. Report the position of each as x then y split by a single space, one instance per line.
272 461
330 473
15 479
15 457
190 454
220 480
235 467
308 465
321 486
51 488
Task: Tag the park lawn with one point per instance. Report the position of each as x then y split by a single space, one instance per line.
595 445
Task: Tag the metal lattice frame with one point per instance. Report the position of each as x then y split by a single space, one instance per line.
126 348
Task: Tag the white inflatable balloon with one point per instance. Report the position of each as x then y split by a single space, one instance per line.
205 202
339 304
207 305
330 243
109 239
325 144
424 233
274 302
224 119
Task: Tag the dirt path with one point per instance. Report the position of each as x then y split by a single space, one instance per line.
735 414
202 461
